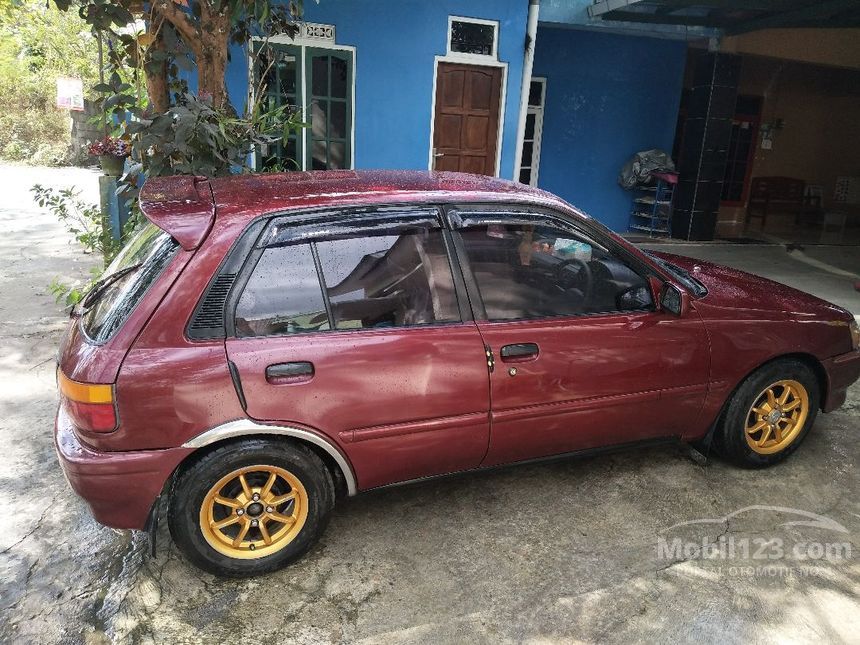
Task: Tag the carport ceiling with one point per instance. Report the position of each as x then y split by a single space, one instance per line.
732 16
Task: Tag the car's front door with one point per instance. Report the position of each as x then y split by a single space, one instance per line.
582 358
353 327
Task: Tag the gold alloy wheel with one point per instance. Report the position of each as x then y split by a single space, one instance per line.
776 418
254 512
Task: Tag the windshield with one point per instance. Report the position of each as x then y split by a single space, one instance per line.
138 265
681 275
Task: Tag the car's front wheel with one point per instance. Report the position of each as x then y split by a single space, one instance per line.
770 414
250 507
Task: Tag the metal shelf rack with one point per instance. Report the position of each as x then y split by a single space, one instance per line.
652 207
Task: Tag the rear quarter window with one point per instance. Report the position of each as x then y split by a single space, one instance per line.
143 259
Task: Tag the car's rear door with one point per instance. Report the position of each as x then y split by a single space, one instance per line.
351 325
582 358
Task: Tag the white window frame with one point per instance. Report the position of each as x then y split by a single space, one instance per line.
463 57
538 111
303 44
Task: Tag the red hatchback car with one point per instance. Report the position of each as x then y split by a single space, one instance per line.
268 343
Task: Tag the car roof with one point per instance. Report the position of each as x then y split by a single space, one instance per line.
355 186
187 206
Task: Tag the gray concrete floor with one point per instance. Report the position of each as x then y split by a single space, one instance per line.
831 228
544 553
845 258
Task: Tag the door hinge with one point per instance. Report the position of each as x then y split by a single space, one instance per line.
491 361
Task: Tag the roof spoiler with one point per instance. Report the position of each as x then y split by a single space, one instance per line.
181 205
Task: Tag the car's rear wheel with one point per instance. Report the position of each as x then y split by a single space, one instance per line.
770 414
250 507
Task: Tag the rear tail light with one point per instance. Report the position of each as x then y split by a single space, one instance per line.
90 406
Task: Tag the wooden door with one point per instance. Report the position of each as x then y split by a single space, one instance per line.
466 123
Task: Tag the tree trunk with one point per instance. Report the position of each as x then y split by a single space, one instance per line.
212 58
208 38
156 74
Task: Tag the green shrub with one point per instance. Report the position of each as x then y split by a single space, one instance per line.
37 45
52 154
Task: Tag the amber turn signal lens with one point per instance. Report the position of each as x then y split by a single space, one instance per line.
89 405
855 334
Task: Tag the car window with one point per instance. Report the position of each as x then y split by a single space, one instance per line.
400 279
283 295
526 271
374 278
126 280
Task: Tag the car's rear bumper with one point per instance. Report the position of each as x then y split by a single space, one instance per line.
842 372
120 487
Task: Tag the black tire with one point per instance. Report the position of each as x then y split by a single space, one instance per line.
731 435
195 481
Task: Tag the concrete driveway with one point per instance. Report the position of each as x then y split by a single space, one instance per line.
584 549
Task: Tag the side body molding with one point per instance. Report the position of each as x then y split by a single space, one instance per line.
243 427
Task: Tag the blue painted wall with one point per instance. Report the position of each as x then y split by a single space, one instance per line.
607 96
396 42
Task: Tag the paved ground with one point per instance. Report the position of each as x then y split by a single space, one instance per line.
846 258
549 553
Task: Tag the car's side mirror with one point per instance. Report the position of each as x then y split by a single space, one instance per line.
674 300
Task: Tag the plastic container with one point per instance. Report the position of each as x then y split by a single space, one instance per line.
568 249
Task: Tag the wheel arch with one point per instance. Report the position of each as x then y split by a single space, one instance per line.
803 357
234 431
807 359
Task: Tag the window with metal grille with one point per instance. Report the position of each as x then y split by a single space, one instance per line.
330 81
280 68
472 37
319 83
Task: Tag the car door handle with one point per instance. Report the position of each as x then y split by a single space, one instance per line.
519 352
290 372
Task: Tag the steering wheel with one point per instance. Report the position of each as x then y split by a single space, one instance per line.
583 279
